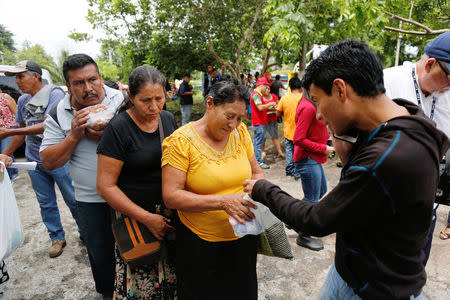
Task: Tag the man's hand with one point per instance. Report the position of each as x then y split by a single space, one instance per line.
343 149
7 160
4 133
79 123
92 134
248 186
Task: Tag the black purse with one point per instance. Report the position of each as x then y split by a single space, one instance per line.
136 243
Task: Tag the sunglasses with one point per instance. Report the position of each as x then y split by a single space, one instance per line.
443 69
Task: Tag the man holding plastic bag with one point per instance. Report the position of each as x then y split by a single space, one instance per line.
72 133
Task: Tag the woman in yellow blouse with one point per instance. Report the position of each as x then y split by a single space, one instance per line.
204 165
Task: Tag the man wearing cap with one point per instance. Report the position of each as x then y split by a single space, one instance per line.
259 118
426 84
33 107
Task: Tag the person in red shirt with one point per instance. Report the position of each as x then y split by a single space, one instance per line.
310 152
259 118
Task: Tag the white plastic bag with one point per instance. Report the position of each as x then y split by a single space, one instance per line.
263 220
11 234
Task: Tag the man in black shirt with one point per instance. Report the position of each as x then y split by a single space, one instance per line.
381 209
186 99
276 86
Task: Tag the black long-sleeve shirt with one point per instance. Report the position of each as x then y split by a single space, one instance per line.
381 209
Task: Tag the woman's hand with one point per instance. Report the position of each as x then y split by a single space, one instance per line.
329 150
158 225
248 186
238 208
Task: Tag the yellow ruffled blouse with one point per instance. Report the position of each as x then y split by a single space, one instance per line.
209 172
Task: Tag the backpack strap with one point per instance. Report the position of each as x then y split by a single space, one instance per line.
54 113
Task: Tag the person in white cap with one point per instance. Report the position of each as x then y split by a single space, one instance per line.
426 83
33 107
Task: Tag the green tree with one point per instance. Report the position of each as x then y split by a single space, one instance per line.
7 48
108 70
180 36
298 24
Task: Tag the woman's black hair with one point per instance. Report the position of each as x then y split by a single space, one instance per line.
228 91
142 75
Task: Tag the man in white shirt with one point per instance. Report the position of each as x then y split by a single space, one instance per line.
69 138
427 84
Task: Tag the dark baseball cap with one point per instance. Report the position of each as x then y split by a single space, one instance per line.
439 48
23 66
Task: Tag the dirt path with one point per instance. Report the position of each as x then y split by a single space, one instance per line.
36 276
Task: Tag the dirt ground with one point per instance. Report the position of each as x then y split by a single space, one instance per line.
36 276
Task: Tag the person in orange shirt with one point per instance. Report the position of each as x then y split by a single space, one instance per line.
287 108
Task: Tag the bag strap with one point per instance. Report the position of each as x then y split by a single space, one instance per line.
161 130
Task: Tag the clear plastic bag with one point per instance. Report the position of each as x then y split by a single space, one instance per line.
100 116
11 234
263 220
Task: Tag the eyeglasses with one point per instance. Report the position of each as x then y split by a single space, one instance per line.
443 69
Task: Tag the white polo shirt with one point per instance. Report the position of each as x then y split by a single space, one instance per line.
399 83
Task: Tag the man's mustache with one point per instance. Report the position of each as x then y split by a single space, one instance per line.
87 94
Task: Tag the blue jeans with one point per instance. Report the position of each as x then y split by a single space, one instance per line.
259 136
43 182
313 179
95 224
427 248
290 167
185 113
3 145
335 288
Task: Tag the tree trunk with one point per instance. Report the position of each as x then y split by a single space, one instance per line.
266 61
302 61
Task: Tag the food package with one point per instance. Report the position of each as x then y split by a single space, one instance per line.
99 116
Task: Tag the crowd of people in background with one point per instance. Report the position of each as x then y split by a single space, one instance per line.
190 180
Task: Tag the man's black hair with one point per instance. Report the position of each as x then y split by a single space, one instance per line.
295 83
351 61
187 75
277 77
75 62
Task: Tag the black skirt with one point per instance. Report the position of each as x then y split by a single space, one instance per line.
215 270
